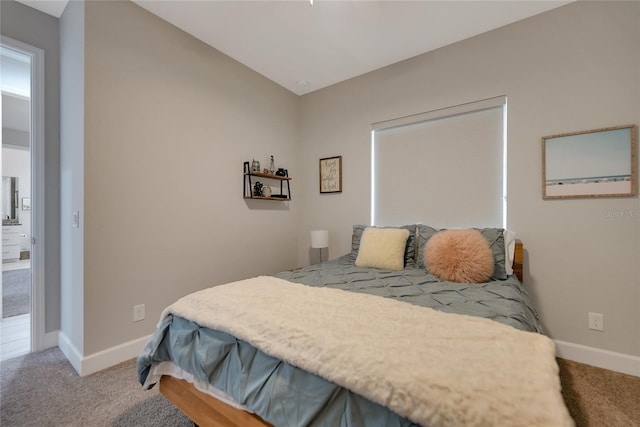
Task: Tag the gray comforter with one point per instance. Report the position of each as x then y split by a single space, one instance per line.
505 301
285 395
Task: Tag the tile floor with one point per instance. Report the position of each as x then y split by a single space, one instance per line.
15 332
15 335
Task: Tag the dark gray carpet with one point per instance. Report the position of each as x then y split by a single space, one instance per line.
42 389
16 292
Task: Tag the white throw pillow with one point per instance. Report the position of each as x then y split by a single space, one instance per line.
509 249
382 248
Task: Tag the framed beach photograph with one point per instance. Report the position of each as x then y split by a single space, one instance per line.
593 163
331 175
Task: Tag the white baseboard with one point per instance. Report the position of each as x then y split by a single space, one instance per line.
71 353
619 362
112 356
103 359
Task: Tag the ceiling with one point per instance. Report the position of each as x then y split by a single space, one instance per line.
16 90
305 48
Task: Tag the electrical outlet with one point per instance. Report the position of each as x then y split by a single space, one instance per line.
596 321
138 312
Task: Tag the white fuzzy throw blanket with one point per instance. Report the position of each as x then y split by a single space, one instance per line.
435 368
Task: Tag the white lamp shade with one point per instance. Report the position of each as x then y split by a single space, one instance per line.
320 239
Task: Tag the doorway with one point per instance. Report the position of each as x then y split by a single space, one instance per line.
21 315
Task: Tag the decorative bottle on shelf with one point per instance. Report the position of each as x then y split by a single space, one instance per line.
272 166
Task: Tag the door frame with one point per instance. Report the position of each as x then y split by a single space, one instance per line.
37 152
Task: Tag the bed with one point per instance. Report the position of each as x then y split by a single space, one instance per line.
344 343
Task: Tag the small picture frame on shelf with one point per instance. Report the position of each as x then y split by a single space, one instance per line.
331 175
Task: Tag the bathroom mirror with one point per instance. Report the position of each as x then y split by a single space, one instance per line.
10 199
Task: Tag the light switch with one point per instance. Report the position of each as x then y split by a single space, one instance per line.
75 219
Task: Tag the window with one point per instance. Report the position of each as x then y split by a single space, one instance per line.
444 168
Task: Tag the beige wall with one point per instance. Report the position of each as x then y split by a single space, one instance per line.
166 132
574 68
168 124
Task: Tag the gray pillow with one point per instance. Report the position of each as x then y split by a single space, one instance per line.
410 249
423 233
495 237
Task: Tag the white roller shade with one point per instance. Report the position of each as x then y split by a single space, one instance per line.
446 170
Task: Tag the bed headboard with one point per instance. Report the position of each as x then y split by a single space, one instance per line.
518 261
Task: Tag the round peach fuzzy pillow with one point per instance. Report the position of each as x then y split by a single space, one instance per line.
461 256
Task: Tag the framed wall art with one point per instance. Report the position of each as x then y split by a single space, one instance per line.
593 163
331 175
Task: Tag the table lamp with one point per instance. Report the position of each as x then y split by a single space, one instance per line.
319 240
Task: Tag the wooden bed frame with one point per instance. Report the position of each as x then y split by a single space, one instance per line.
518 261
206 410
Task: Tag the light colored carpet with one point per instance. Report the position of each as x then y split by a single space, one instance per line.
16 292
598 397
42 389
